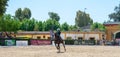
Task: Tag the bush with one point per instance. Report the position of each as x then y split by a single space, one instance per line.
69 42
76 42
69 38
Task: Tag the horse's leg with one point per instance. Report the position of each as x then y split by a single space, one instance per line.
58 47
64 45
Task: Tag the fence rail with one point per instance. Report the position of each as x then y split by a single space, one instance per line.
24 42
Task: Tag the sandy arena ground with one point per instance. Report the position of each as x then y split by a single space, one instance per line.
50 51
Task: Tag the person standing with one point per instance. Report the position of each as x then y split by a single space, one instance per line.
51 35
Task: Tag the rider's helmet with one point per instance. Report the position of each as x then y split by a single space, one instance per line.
58 29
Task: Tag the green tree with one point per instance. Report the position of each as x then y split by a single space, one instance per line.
53 15
44 26
26 13
31 24
3 4
23 14
71 27
9 24
115 15
18 14
82 19
97 26
51 24
65 27
28 25
24 25
38 26
56 25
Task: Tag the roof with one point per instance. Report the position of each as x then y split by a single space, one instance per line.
33 32
86 28
111 23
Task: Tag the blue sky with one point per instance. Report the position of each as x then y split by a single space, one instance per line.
66 9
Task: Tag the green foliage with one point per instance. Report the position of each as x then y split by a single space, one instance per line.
69 42
44 26
23 14
40 25
28 25
71 27
51 24
3 4
116 15
82 19
7 23
98 26
36 28
65 27
18 14
10 23
26 13
53 15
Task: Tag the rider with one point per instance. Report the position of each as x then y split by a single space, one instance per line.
58 33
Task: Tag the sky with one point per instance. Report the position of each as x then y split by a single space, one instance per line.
66 9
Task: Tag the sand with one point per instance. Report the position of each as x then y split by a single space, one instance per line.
50 51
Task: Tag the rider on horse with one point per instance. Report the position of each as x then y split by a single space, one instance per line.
58 33
59 40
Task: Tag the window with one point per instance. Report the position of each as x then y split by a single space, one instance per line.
49 38
92 38
44 36
38 37
80 38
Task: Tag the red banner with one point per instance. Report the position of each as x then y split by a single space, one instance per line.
40 42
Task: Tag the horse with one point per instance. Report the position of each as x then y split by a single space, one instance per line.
58 41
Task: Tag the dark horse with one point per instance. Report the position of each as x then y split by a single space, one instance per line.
57 42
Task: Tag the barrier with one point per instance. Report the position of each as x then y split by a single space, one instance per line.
2 42
21 43
10 42
40 42
26 42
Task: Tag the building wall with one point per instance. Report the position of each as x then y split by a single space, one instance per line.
84 35
46 36
65 35
74 36
34 35
110 30
88 36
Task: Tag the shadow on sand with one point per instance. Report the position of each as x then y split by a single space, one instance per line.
60 52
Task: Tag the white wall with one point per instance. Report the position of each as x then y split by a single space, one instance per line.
96 36
62 36
74 36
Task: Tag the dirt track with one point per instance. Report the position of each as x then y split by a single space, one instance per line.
50 51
